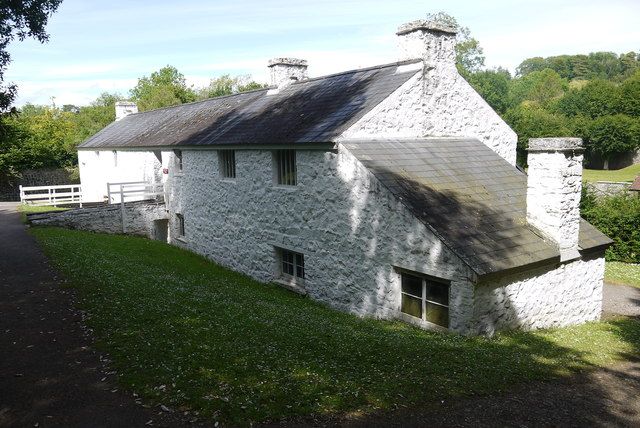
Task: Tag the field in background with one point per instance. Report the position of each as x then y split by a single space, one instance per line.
626 174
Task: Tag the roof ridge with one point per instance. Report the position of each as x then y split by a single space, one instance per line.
301 82
358 70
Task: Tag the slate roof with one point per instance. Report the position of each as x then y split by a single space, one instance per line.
474 200
313 110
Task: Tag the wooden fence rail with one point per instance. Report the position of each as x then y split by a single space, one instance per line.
64 194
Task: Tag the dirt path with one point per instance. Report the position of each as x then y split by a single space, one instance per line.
622 300
603 398
49 375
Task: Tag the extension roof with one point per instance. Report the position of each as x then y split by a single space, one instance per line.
471 198
309 111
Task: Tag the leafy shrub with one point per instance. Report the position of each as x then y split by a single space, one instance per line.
619 218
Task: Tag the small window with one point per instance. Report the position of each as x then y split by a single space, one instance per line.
227 160
115 158
285 163
292 264
178 154
180 224
425 299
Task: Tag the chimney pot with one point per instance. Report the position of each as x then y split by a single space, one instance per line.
433 41
125 108
554 188
285 71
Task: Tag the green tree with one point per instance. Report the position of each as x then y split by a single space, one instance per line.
596 98
530 65
538 87
596 65
532 121
612 135
40 136
629 99
629 64
92 118
493 85
227 85
19 20
163 88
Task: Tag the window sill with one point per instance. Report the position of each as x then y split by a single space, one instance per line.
295 286
285 187
229 180
178 174
420 323
181 239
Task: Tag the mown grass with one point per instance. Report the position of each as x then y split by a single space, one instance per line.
32 209
622 273
189 334
625 174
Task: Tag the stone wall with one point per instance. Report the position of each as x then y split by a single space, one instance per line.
618 161
139 218
99 167
568 294
601 189
10 186
353 232
437 102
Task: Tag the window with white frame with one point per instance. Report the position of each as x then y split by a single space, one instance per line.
285 167
227 163
425 299
180 225
291 264
178 155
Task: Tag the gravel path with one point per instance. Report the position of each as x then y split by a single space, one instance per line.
622 300
51 377
49 374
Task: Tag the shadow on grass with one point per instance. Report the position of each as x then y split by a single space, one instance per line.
192 335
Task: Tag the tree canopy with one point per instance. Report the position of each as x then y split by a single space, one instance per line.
163 88
19 20
227 85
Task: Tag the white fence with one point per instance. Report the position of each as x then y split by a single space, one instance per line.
65 194
133 190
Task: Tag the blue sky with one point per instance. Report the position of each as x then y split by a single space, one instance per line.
98 46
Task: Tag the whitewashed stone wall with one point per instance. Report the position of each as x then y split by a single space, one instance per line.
569 294
97 168
139 218
351 230
437 102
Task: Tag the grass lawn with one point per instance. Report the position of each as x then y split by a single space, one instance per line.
622 273
190 334
626 174
30 209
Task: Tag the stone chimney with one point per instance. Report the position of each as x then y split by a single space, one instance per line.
285 71
125 108
554 189
432 41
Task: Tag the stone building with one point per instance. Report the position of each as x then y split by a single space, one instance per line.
389 191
